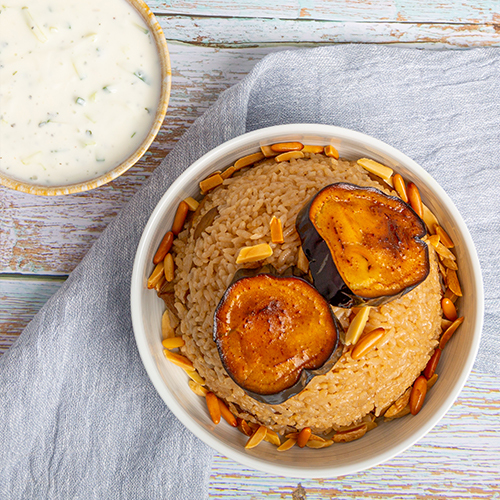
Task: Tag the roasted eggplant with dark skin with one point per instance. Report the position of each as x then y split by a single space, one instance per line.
274 333
363 246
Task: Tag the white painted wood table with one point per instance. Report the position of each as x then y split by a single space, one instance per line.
213 45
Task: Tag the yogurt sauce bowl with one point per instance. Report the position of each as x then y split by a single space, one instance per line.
85 89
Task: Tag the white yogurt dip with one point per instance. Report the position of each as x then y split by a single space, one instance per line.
80 83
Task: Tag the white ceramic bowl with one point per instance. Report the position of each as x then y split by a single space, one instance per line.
388 439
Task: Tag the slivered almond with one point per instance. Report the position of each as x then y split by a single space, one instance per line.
302 262
168 267
445 324
248 160
399 404
227 415
450 264
432 381
173 342
443 252
312 149
357 326
445 239
319 444
453 283
449 332
417 395
433 240
415 199
432 364
254 253
290 155
195 376
287 444
430 219
376 168
178 359
284 147
449 309
213 407
400 187
164 247
192 203
198 389
256 437
405 411
331 152
268 152
244 427
166 327
272 437
303 436
367 343
155 275
228 172
351 434
210 183
276 230
450 295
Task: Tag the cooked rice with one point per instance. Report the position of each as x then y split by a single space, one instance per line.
205 268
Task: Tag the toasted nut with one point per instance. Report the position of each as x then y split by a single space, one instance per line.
248 160
367 343
453 283
432 381
314 437
257 437
244 427
401 413
445 239
160 283
253 426
227 415
180 217
303 436
331 152
449 309
254 253
450 264
192 203
442 270
433 240
210 183
399 404
228 172
430 219
400 187
312 149
173 342
357 326
195 376
370 426
168 267
415 199
178 359
272 437
276 230
213 407
289 156
443 252
432 364
166 327
287 444
450 295
376 168
450 331
351 434
197 388
268 152
164 248
283 147
302 262
417 395
445 324
155 276
319 444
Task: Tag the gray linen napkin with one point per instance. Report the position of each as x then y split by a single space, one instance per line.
78 416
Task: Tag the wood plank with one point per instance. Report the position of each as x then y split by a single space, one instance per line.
422 11
247 32
459 458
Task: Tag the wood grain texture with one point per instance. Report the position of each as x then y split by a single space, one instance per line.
458 459
421 11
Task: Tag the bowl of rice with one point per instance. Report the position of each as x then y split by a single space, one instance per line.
400 365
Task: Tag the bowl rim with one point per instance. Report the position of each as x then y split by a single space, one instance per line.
166 81
137 283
